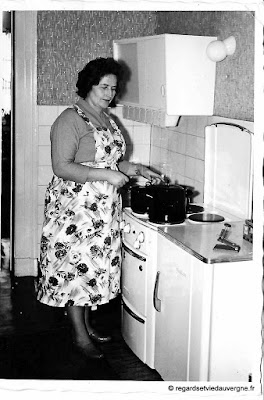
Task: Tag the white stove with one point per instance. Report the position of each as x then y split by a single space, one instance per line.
227 192
139 269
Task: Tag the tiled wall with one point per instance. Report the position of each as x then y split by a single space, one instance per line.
182 149
178 152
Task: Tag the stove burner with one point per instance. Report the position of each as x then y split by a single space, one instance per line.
206 217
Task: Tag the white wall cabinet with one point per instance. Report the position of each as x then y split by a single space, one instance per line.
206 324
170 76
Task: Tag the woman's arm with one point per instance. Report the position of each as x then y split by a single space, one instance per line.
131 169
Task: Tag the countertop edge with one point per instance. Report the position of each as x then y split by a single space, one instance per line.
199 256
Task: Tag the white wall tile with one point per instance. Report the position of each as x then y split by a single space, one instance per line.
181 143
127 132
191 125
199 188
141 134
155 155
164 138
44 135
191 145
47 114
183 124
173 141
200 148
44 155
41 194
190 165
199 171
201 123
44 175
177 164
140 154
156 135
40 214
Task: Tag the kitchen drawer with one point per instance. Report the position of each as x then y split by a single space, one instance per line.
134 331
134 270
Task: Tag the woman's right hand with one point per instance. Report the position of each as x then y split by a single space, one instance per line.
116 178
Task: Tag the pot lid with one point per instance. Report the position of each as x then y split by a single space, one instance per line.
165 187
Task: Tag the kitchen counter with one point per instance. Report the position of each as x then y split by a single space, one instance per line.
200 239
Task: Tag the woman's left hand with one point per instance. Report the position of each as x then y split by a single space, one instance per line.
152 176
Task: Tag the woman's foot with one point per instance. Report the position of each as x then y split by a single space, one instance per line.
88 349
99 337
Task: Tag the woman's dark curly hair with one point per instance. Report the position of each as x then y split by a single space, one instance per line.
94 71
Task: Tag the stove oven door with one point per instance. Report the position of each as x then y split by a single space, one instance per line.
133 287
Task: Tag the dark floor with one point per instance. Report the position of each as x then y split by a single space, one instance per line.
35 341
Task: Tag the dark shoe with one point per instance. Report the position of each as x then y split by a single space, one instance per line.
99 337
89 350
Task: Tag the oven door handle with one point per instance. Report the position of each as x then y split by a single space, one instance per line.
156 300
133 254
129 311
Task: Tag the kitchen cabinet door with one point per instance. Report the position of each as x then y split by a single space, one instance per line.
225 344
151 54
172 293
235 345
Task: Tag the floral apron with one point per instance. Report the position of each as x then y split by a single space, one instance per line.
80 252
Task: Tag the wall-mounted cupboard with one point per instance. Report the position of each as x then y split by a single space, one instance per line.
169 75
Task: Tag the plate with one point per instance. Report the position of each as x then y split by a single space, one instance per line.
206 217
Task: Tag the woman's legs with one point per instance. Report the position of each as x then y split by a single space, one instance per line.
82 339
76 317
93 333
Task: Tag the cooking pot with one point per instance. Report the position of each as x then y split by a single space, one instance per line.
138 199
167 204
163 203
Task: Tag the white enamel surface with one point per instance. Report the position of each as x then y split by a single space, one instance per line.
228 169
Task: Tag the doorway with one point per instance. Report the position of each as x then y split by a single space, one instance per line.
6 140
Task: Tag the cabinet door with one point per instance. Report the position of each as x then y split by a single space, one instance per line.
235 346
134 270
152 51
172 321
127 52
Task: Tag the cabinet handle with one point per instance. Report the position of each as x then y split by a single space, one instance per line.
132 253
135 316
162 90
156 300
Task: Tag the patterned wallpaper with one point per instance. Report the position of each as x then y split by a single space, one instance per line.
67 40
234 88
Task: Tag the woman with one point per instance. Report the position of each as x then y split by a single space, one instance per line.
81 242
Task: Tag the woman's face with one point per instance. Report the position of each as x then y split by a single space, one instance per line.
101 95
